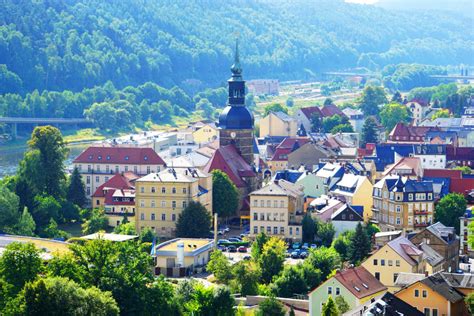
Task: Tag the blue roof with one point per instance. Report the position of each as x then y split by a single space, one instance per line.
413 186
288 175
445 182
359 209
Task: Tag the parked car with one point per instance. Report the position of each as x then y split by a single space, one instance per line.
296 245
247 258
305 246
232 239
244 235
313 246
303 255
295 254
237 237
232 248
242 249
224 228
221 248
222 241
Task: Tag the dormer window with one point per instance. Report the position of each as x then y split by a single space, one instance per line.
145 157
126 157
90 157
99 157
108 158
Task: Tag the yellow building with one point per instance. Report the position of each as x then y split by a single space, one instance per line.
434 295
403 204
398 255
161 197
278 124
178 257
277 210
355 190
205 134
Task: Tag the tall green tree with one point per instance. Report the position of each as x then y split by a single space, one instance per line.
324 259
225 196
341 244
26 226
48 141
394 113
76 191
289 282
19 264
369 132
272 258
372 97
194 221
342 305
97 221
397 97
219 266
325 233
271 307
359 246
9 206
449 209
469 300
309 228
60 296
257 246
330 308
316 122
246 277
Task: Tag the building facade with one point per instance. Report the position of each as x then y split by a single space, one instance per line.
403 204
98 165
277 210
162 197
278 124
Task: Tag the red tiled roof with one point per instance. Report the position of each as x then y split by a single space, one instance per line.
118 181
362 152
331 110
281 154
409 133
289 142
461 186
459 153
308 112
120 155
442 173
227 159
360 282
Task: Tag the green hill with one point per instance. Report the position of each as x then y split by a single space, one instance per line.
72 45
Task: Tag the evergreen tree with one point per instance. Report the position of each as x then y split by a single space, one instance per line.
316 122
194 221
372 97
26 225
272 258
309 228
397 97
330 308
225 196
257 245
359 246
369 132
342 305
76 192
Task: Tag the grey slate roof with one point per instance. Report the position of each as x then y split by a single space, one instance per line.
437 283
459 280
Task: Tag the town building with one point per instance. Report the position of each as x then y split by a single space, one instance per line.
330 174
162 197
443 240
264 86
434 296
117 198
98 164
356 118
278 124
419 110
409 167
277 210
356 285
355 190
280 155
402 133
465 221
309 155
386 305
304 117
180 257
205 134
398 255
342 216
403 204
313 186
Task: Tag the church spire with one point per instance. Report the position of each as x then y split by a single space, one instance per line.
236 68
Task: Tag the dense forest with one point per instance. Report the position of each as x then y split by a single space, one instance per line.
72 45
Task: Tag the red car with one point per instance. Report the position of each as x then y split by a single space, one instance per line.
242 249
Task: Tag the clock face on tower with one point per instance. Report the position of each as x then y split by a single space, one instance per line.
232 134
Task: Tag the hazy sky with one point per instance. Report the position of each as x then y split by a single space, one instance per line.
363 1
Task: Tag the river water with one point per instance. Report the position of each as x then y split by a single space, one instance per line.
9 158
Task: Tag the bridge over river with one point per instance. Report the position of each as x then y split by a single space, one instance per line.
15 121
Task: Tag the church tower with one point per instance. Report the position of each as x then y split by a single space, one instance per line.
236 121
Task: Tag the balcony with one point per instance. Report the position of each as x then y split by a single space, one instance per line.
129 214
420 212
422 224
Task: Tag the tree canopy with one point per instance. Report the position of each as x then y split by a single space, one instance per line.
194 221
225 196
449 209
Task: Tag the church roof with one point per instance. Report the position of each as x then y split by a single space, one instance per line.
227 159
236 117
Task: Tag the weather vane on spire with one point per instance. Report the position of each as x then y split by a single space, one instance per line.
236 68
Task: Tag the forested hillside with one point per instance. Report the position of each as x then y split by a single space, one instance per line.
71 45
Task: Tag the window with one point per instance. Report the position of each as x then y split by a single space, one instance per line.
152 203
424 293
173 190
269 203
97 202
338 291
390 263
375 262
142 189
397 263
163 217
417 293
163 190
291 230
135 169
255 203
88 190
255 216
275 204
97 179
185 191
116 169
410 197
255 229
142 203
275 230
434 312
377 275
126 168
148 170
153 190
163 203
269 230
185 204
88 180
282 204
262 203
107 168
142 216
297 230
427 311
173 217
382 262
395 277
173 204
329 289
282 230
